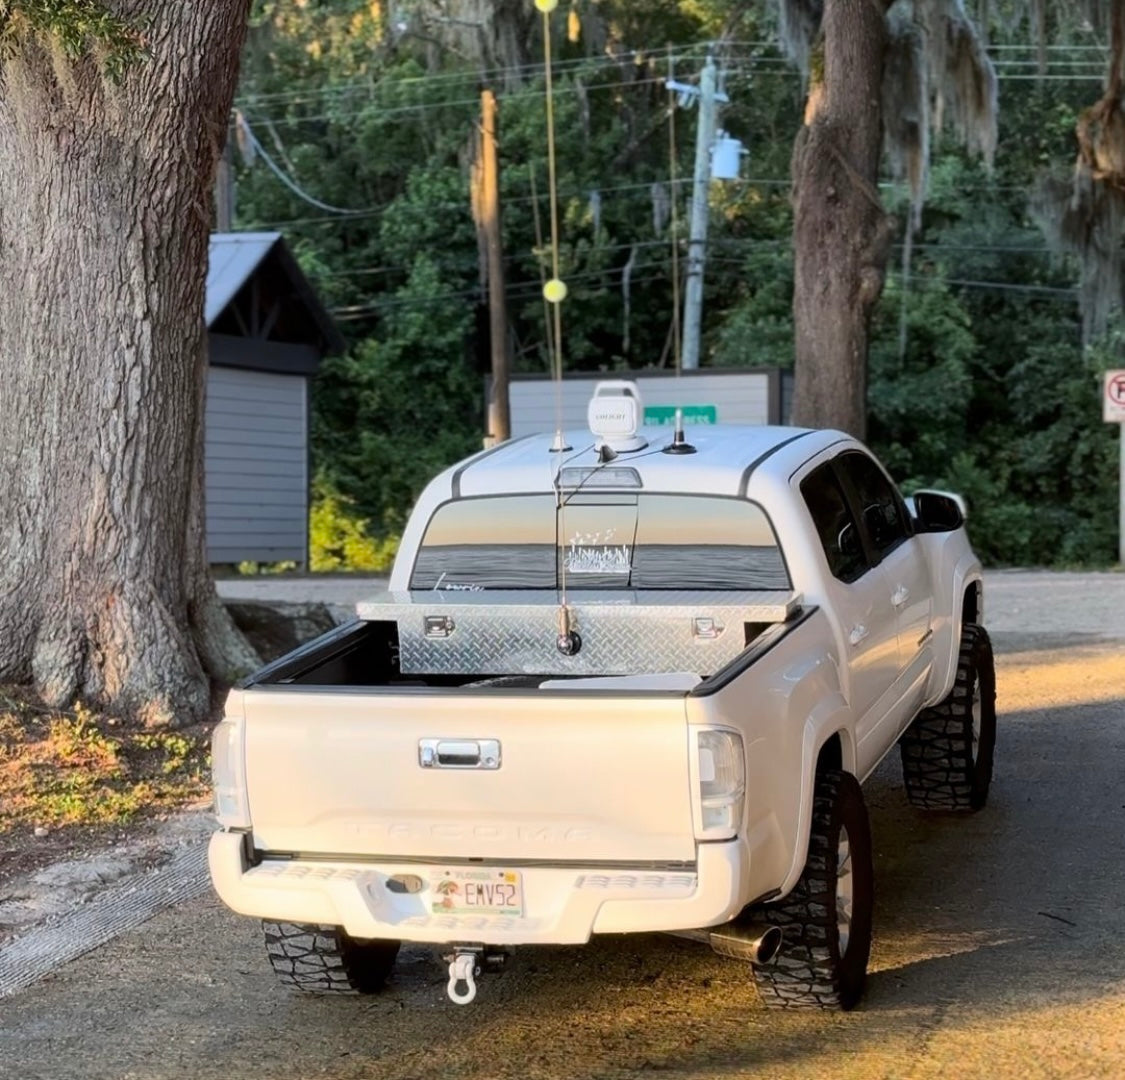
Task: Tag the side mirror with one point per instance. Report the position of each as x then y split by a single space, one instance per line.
937 511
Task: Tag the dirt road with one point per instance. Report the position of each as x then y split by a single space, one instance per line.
999 940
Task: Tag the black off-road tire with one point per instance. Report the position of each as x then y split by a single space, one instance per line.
324 960
810 971
943 766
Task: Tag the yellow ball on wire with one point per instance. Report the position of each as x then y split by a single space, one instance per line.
555 291
546 6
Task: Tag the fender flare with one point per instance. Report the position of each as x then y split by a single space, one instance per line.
832 717
966 574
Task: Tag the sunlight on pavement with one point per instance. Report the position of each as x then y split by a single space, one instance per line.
1040 680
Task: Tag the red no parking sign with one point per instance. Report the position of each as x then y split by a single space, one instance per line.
1114 397
1114 412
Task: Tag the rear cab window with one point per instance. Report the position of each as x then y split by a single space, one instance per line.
600 541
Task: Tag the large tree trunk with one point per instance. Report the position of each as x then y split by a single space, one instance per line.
104 588
841 235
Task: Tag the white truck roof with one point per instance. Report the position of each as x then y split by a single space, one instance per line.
724 458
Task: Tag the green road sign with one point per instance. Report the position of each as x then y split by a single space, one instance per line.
693 414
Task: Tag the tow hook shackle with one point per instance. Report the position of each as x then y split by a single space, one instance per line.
466 964
463 971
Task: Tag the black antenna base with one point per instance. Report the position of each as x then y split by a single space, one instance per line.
679 445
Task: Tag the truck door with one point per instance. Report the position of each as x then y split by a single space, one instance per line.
884 519
859 596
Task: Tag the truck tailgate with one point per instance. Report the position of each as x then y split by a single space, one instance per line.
581 777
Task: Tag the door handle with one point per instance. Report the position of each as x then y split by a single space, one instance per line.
901 595
859 632
459 754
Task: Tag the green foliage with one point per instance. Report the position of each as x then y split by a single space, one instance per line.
253 568
339 540
992 396
83 768
919 402
394 411
77 27
756 330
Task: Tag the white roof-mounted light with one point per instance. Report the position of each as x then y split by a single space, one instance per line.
615 414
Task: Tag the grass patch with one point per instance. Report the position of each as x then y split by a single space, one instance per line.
78 767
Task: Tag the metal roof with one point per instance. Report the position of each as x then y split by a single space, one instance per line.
234 258
231 260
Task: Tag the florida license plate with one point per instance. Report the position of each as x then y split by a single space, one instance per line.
466 891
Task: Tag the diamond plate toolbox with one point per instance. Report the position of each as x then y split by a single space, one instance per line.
622 633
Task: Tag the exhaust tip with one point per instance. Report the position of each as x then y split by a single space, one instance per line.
755 941
768 945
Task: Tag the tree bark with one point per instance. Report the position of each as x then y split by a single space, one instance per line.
841 234
104 589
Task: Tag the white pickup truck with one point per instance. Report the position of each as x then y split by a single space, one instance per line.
620 682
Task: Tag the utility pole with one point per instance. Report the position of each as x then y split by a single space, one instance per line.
224 188
700 211
486 211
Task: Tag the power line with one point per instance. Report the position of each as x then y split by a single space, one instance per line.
527 290
515 200
1006 286
523 290
396 110
752 181
287 180
474 77
379 112
732 73
750 246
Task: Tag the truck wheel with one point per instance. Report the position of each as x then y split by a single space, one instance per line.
947 750
826 919
324 960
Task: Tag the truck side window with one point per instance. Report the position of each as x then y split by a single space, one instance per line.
835 524
884 515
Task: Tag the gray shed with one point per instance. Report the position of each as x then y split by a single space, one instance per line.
267 332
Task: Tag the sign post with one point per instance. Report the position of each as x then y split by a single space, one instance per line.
1113 412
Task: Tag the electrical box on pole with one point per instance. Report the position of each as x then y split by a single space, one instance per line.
726 159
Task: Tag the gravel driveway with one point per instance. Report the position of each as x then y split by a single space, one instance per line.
999 938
